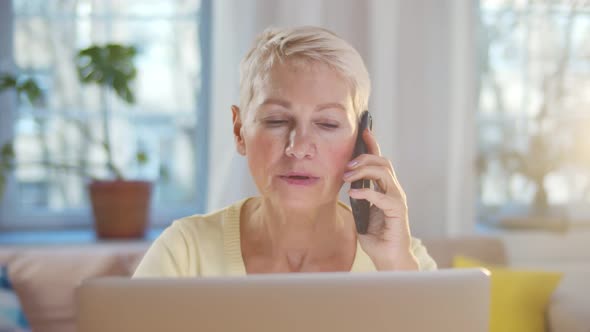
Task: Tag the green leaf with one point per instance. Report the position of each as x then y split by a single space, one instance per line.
109 66
2 182
31 90
27 87
7 81
7 151
142 158
6 164
7 156
164 173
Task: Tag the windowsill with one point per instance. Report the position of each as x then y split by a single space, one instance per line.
68 237
525 226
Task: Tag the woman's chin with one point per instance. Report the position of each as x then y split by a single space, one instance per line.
300 201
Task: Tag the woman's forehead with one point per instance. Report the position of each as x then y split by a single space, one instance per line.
316 84
319 107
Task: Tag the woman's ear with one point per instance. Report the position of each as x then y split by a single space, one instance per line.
239 139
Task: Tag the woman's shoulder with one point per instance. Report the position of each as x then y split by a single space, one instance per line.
425 261
212 220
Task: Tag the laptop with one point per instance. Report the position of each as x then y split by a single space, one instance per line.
443 300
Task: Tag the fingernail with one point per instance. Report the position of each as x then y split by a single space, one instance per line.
349 173
353 163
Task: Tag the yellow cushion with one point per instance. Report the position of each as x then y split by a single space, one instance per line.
519 297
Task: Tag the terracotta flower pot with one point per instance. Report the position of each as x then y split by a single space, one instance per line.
120 208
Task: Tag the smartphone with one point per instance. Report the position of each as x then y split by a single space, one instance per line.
360 207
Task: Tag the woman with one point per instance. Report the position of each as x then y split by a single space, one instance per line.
301 93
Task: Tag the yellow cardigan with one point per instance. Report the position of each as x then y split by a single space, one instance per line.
209 245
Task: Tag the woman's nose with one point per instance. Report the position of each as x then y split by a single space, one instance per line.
300 144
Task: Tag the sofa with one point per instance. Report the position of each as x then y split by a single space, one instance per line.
45 277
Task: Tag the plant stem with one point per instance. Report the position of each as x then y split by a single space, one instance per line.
105 113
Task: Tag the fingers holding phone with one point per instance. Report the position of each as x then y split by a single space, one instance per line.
380 213
368 164
387 193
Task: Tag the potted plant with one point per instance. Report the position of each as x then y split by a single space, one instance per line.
542 156
120 206
545 151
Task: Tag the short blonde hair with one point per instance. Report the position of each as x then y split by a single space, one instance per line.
305 43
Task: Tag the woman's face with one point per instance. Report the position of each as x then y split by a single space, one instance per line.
299 135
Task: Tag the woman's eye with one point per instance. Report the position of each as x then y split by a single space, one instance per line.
275 123
328 125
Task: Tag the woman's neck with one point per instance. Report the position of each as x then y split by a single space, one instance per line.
295 232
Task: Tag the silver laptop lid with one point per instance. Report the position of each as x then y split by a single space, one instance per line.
444 300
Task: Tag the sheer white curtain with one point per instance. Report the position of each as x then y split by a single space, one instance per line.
420 55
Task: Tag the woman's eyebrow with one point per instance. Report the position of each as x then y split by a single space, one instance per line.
286 104
330 105
275 101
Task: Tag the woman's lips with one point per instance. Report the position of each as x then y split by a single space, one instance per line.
299 179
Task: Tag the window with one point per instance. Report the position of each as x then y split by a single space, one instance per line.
167 122
534 113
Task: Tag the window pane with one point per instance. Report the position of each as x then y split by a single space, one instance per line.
534 105
65 131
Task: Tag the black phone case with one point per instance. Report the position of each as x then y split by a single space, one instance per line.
360 207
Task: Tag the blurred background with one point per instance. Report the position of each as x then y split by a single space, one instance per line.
481 105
